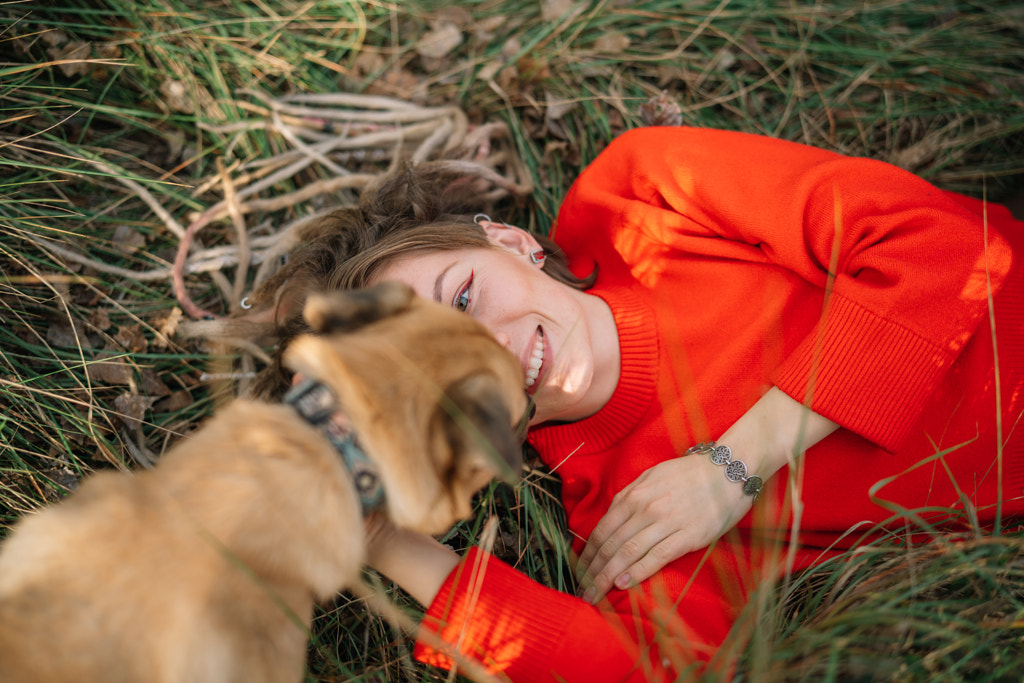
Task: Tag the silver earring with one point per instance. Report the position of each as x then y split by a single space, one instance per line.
481 218
538 256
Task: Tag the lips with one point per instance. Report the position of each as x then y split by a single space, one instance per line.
534 363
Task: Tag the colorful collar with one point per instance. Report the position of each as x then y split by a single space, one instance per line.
318 406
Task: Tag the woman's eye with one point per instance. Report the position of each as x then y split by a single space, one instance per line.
461 302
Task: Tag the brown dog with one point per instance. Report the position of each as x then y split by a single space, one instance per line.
206 568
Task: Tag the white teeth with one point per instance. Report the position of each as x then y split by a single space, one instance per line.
536 360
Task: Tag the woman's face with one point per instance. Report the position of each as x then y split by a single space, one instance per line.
560 335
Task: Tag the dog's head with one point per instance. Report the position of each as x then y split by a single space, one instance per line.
436 401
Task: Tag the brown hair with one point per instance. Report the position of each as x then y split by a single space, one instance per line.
413 209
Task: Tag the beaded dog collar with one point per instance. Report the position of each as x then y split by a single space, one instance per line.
318 406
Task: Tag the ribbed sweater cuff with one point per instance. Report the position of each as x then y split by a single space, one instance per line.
867 374
479 608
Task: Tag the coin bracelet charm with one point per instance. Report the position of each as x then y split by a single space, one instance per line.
735 470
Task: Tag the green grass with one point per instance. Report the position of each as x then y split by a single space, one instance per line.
932 86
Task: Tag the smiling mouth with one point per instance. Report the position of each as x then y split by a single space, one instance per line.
535 362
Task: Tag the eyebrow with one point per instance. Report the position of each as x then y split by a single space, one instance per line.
439 282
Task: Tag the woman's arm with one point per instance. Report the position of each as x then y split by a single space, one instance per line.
416 562
684 504
500 617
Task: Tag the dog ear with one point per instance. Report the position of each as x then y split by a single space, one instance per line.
344 311
477 420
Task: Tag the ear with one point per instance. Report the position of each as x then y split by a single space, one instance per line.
477 420
343 311
512 238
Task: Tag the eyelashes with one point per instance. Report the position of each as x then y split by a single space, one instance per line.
462 300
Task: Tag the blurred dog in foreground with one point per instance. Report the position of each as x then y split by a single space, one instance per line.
206 568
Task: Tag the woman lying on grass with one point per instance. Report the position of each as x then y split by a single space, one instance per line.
706 285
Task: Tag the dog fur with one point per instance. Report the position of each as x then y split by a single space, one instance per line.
206 568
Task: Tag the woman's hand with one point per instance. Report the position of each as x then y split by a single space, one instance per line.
673 508
683 504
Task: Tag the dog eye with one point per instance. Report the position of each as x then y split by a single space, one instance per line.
462 300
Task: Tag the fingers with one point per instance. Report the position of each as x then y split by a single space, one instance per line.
626 559
612 522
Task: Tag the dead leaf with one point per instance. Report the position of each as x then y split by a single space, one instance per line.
127 239
132 408
554 110
176 96
553 10
368 62
166 325
508 80
75 53
510 48
488 71
60 333
131 338
152 385
400 83
533 69
557 107
108 51
485 28
454 14
438 42
113 371
612 43
661 111
178 400
100 319
54 37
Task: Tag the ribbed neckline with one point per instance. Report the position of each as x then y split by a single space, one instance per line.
638 348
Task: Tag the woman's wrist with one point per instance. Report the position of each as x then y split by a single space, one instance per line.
774 432
416 562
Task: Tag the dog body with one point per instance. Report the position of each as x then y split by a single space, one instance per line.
207 567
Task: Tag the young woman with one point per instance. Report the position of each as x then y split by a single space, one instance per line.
853 335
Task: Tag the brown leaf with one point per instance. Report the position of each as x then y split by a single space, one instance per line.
128 240
453 14
612 43
485 28
112 371
176 96
488 70
368 62
100 319
60 333
510 48
661 111
556 107
54 37
166 325
554 110
75 53
131 338
440 41
553 10
399 83
152 385
132 408
178 400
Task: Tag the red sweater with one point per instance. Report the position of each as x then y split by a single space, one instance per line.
713 251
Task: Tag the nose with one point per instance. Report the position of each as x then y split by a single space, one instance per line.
504 340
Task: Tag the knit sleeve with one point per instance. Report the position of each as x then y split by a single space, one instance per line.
906 270
522 630
668 627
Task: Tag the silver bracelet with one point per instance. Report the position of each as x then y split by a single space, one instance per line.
735 470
